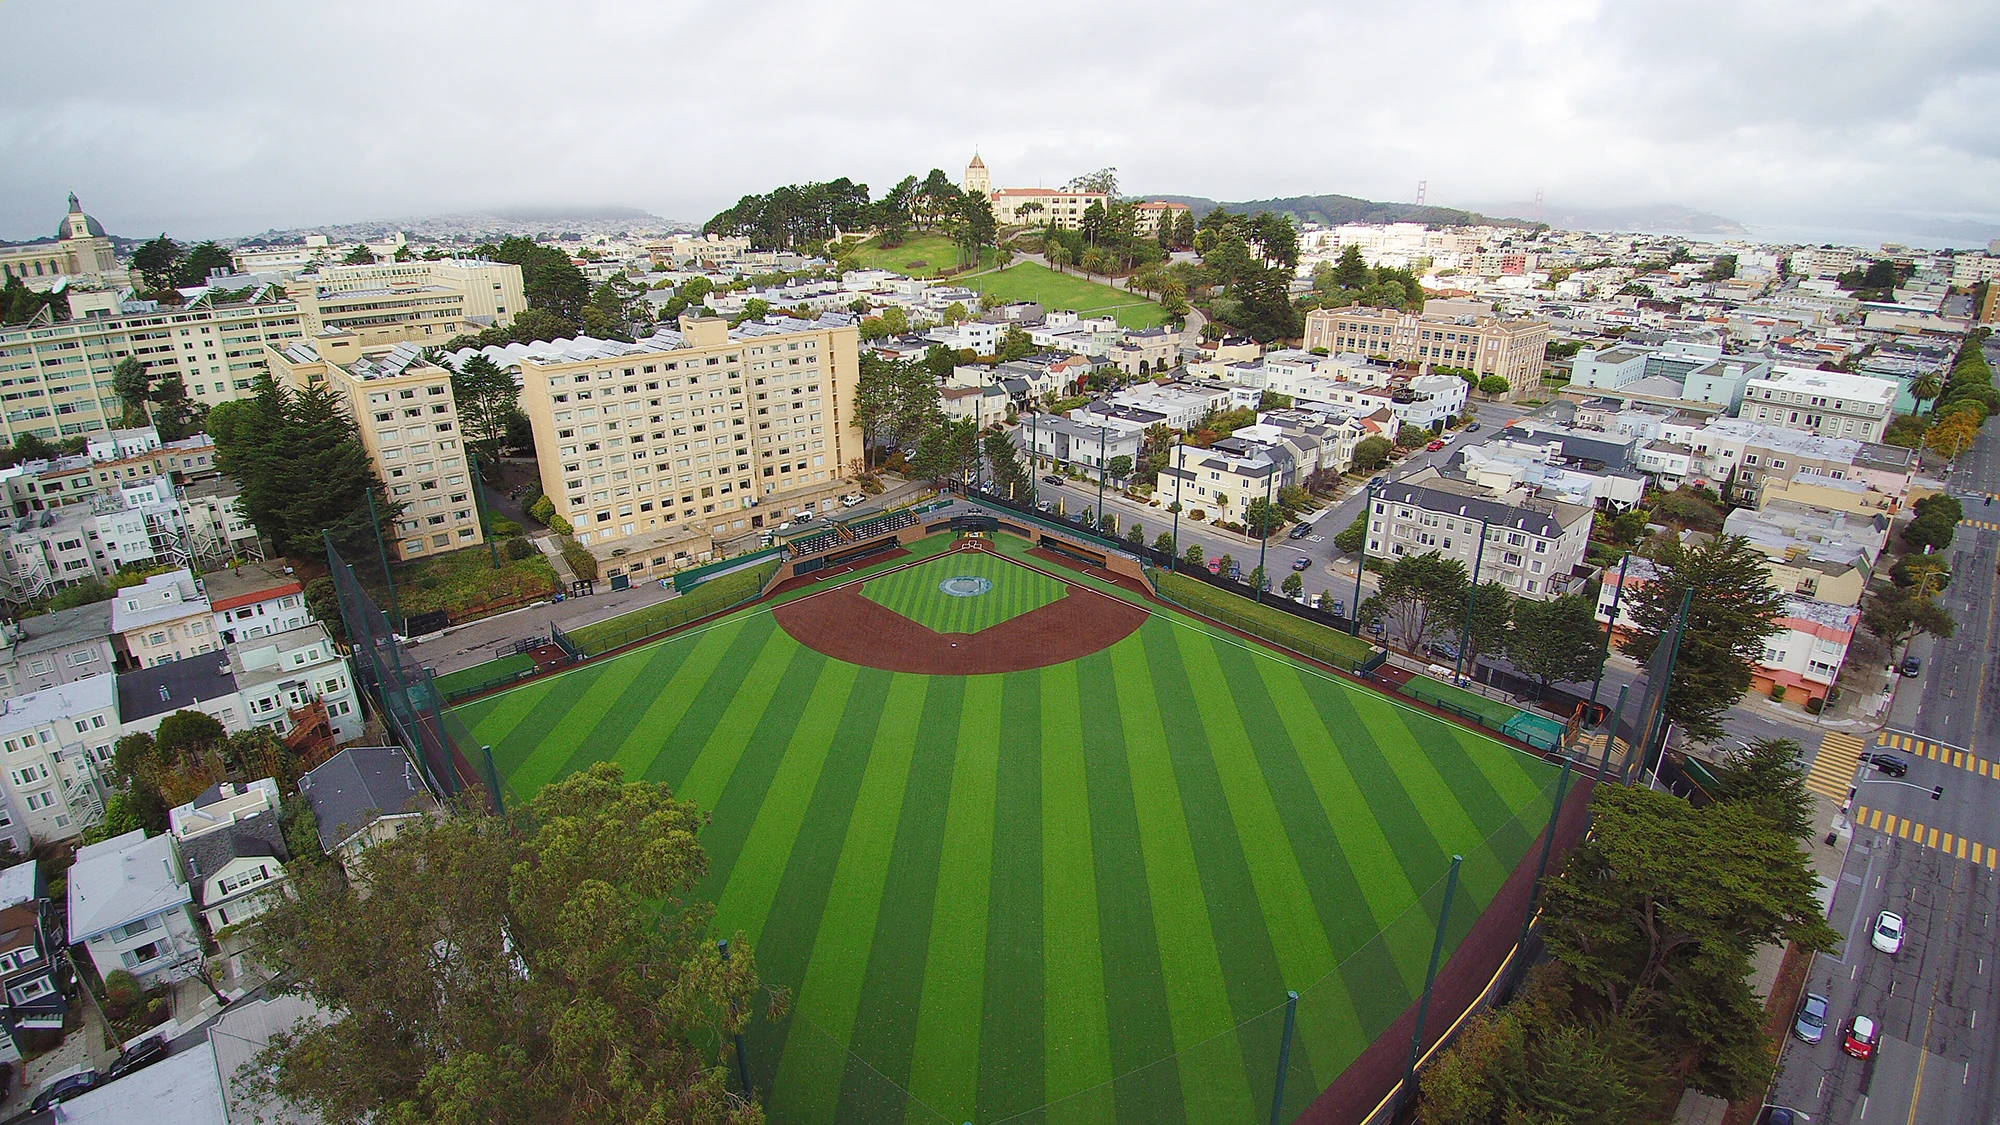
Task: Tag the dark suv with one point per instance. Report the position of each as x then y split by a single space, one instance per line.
138 1056
63 1087
1890 764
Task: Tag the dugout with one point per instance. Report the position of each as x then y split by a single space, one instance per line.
1077 551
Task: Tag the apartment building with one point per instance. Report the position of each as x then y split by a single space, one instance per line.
1221 481
657 450
1533 547
254 600
390 302
129 906
1148 216
278 674
1088 442
1038 207
55 377
80 251
163 619
1827 403
48 649
403 407
140 523
53 742
1484 345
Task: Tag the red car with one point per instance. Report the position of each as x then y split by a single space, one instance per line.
1436 445
1215 566
1860 1038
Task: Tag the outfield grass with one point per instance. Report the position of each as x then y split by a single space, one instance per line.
1029 281
1077 892
921 255
710 596
918 594
1340 649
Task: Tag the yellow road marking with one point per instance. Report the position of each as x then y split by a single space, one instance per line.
1958 759
1977 854
1875 821
1902 829
1947 842
1932 842
1961 847
1982 767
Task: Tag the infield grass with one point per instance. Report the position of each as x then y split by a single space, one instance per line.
1076 893
918 592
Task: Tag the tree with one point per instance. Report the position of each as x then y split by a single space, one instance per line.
1659 909
1721 269
132 382
1898 615
1351 271
1119 467
1417 595
157 261
359 256
1556 641
1293 585
1952 434
201 260
877 396
1765 775
302 469
186 732
486 398
1372 452
1926 387
1197 556
1355 535
1934 523
1261 516
323 602
549 279
1494 385
1492 610
1164 544
563 970
1734 609
1009 478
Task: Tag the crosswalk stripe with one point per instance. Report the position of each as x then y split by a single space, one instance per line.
1947 842
1992 859
1976 852
1932 843
1875 821
1903 829
1982 767
1961 847
1957 759
1832 772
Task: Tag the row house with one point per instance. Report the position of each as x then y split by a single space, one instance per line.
53 745
1533 547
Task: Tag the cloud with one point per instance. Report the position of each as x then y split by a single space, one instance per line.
208 119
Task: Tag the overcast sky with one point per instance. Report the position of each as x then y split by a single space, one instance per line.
211 119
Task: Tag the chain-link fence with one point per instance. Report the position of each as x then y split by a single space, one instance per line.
408 700
1352 1024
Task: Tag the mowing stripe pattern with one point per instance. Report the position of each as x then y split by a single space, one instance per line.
1069 894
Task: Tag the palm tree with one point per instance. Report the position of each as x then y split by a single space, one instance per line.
1058 256
1926 387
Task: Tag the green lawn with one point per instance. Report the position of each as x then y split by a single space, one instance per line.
920 255
919 593
1077 893
1309 638
1028 281
710 596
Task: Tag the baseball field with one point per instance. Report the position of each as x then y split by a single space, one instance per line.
1075 886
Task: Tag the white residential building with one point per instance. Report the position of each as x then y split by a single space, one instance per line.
163 619
128 905
52 744
277 674
1533 547
1828 403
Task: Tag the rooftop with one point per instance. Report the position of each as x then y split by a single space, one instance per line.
249 583
63 628
174 686
163 597
359 786
253 837
122 880
63 701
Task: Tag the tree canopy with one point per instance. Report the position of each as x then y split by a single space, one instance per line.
560 970
549 279
1734 609
303 469
1558 640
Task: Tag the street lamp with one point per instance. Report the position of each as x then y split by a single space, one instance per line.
1180 469
1264 532
1471 593
1361 564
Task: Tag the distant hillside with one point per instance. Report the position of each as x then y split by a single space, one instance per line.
1333 210
1654 218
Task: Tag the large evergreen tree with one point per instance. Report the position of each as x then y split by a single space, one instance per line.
1734 609
486 398
302 469
1557 640
559 970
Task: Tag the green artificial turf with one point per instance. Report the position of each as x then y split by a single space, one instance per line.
496 671
1077 893
918 592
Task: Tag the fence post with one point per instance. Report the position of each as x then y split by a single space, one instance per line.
1430 983
1285 1057
1541 868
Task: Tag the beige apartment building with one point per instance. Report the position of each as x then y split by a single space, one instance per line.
1147 216
1037 207
1485 345
656 451
408 421
55 377
416 300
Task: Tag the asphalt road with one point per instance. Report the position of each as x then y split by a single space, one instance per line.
1931 860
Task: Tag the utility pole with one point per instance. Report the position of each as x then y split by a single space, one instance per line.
1180 467
1264 540
1605 657
1361 564
1656 693
479 503
1471 596
382 549
1102 433
1034 459
1542 865
1430 982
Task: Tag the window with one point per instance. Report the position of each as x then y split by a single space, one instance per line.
32 990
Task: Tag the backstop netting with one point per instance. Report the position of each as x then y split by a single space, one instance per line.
402 692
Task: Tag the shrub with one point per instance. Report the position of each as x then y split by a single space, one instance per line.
1197 515
560 525
1813 704
580 559
1777 693
503 528
542 509
519 548
121 993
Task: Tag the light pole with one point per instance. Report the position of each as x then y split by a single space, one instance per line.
1264 536
1471 595
1361 564
1180 469
1604 657
1101 435
1034 459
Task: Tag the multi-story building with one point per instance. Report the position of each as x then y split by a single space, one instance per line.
280 674
234 849
403 408
55 376
1824 261
52 744
1533 547
1088 442
1148 216
255 600
1038 207
657 450
391 302
1484 345
80 251
128 906
163 619
34 975
55 648
1827 403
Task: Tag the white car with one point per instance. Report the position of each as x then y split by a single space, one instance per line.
1888 934
850 500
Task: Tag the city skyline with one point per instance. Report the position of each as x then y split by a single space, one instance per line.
1806 118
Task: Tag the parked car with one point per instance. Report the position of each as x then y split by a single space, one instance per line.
1301 563
1472 427
851 499
805 517
1860 1038
1375 628
1340 609
1435 445
1215 566
786 526
1300 532
1912 665
1888 933
63 1086
1779 1115
1890 764
138 1056
1442 648
1052 479
1236 572
1810 1027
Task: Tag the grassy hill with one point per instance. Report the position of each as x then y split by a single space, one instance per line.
922 255
1028 281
